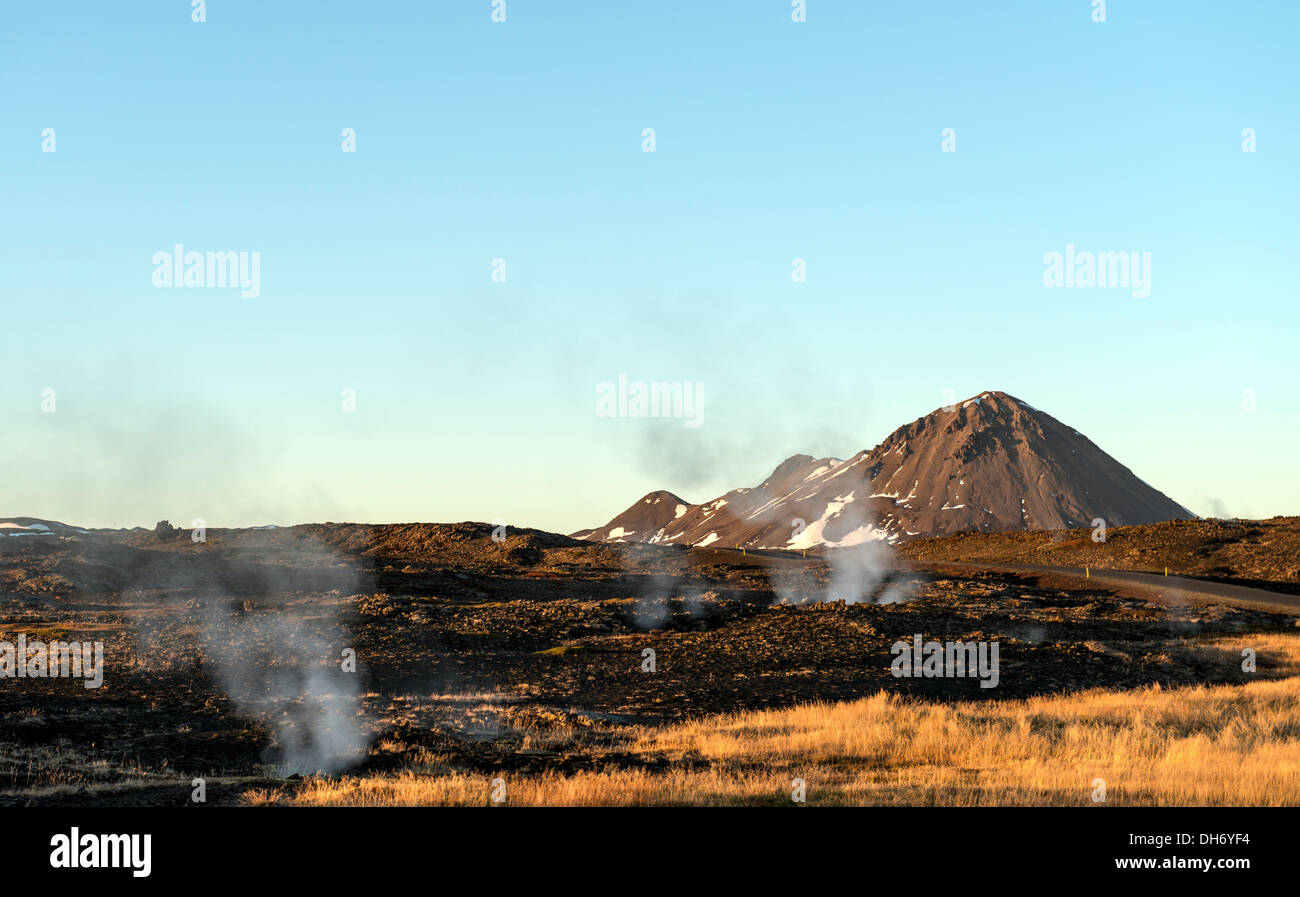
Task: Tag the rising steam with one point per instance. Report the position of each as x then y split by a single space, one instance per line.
861 573
271 639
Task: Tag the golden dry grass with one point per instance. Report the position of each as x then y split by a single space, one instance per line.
1227 744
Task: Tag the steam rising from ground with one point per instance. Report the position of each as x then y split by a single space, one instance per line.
652 602
288 675
271 639
862 573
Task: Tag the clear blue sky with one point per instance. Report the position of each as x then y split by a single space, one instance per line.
522 141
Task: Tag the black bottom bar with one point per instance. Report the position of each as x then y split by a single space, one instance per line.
495 846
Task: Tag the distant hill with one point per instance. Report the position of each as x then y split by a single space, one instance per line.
991 463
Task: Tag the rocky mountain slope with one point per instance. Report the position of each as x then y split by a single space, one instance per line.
991 463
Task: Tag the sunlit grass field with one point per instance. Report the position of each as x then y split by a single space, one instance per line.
1220 745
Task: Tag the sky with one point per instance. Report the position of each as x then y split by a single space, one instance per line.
473 383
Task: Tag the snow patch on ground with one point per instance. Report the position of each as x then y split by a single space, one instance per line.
814 533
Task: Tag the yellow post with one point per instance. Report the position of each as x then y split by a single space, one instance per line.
1086 573
1166 571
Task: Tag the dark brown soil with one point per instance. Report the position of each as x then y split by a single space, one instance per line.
551 631
1249 552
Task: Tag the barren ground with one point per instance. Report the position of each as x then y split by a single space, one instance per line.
526 657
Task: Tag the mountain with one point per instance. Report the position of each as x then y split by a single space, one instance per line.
651 514
35 526
990 463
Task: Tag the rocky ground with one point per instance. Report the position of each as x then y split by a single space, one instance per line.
1249 552
474 649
